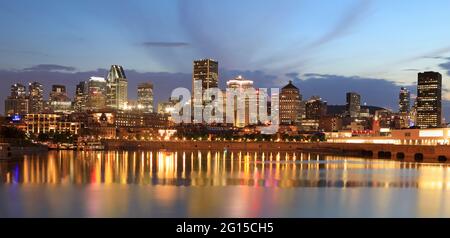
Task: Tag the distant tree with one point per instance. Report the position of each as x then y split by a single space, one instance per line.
43 137
318 137
12 133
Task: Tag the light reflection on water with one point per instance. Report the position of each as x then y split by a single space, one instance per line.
217 183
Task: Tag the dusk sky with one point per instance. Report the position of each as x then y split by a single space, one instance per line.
326 47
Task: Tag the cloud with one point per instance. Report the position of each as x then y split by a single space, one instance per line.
435 54
165 44
288 59
349 19
446 65
50 67
292 75
334 87
23 52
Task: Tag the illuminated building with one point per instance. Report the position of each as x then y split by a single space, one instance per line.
101 125
50 123
35 97
353 105
96 94
206 74
404 100
145 97
133 105
330 123
117 88
385 118
79 103
59 101
242 117
315 108
138 120
429 107
310 124
413 114
17 103
404 118
431 137
18 91
167 107
290 105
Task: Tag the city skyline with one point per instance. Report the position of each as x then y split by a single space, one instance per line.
210 108
81 90
320 51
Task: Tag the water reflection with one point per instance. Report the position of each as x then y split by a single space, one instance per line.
219 169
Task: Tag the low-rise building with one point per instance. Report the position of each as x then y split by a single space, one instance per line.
330 123
50 123
432 137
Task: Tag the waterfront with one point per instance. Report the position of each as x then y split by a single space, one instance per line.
219 184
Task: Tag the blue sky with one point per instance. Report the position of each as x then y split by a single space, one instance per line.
364 39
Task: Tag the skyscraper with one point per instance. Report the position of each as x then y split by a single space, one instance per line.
18 91
17 102
35 97
145 97
80 98
353 105
117 88
206 75
404 101
242 117
315 108
59 101
96 93
290 102
429 96
206 70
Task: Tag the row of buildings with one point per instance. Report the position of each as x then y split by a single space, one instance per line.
97 93
101 106
312 114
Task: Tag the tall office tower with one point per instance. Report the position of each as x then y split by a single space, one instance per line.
59 101
429 96
413 114
242 84
96 93
145 97
205 75
117 88
18 91
353 105
404 100
17 103
35 97
290 105
315 108
79 103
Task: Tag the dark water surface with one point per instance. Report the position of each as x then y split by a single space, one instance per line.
219 184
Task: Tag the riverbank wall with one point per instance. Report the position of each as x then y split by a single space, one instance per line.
411 153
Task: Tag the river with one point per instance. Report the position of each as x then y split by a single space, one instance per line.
219 184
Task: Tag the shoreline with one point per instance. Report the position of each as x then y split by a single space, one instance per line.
407 153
